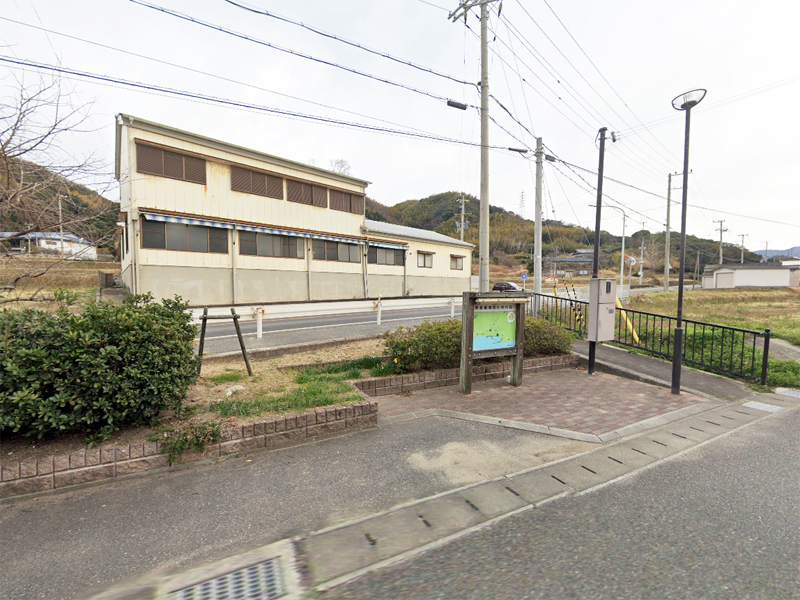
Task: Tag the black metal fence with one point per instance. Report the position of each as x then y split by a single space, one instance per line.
728 350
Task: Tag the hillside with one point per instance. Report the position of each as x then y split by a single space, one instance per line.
84 212
793 251
512 235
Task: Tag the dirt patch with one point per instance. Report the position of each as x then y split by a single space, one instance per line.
267 380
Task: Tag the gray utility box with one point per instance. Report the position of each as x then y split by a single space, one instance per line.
602 309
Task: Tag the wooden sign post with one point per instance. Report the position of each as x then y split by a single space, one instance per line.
492 324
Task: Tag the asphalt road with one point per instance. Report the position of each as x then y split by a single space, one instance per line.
721 521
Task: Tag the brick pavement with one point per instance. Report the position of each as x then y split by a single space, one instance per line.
567 399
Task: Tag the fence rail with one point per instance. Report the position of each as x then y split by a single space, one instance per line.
728 350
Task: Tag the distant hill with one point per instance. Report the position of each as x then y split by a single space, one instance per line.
513 235
794 251
84 212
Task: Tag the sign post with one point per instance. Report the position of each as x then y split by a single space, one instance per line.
524 277
492 324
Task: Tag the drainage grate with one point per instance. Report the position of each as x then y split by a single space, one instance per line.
261 581
788 392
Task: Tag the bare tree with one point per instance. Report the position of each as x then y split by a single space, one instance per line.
340 165
40 180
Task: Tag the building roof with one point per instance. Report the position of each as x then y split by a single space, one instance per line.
413 233
224 147
747 266
46 235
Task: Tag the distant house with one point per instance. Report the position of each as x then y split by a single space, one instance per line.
750 275
791 262
50 242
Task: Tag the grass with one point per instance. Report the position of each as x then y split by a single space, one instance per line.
228 377
759 308
783 373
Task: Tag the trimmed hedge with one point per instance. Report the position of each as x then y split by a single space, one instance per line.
437 344
103 367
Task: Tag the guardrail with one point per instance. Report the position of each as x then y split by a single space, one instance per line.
728 350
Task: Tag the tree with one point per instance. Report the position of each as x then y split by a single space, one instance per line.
39 178
340 165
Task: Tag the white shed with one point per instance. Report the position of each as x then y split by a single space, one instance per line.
750 275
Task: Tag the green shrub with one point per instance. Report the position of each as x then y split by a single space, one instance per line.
437 344
103 367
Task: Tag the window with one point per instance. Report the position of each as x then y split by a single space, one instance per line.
347 202
386 256
425 260
456 263
338 251
177 236
266 244
297 191
156 161
254 182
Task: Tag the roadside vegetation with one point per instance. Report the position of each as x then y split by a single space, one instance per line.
760 308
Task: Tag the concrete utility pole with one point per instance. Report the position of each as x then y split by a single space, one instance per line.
696 269
596 253
721 230
462 200
641 257
742 235
60 227
483 248
537 262
766 251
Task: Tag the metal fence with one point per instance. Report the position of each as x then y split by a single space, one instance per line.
728 350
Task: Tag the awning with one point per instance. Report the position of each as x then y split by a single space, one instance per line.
387 245
186 221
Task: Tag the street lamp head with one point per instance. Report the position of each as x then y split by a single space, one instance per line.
688 99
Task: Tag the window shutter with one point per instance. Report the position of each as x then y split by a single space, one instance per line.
357 204
307 199
259 183
149 160
339 201
173 165
240 179
294 191
320 196
194 169
274 187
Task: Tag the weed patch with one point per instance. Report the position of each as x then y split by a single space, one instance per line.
195 436
229 377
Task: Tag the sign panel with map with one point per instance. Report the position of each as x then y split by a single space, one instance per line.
494 327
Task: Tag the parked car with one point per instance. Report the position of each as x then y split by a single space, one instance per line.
506 286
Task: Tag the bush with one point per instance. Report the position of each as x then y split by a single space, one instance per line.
437 345
106 366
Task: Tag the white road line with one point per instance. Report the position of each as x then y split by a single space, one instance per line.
372 322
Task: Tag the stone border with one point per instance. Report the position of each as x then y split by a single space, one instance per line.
383 386
108 462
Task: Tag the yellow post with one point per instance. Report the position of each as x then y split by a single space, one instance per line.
627 322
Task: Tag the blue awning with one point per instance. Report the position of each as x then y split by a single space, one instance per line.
387 245
186 221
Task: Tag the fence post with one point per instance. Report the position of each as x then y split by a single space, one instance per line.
452 308
378 306
765 360
259 322
241 341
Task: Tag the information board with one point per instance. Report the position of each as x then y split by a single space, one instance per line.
494 327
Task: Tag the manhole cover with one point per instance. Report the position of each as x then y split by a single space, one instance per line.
261 581
788 392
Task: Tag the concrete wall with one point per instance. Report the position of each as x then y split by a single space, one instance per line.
127 277
197 285
387 286
336 286
256 286
761 277
436 286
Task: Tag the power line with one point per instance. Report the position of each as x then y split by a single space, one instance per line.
233 103
287 50
331 36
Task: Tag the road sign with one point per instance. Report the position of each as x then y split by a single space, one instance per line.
631 260
524 275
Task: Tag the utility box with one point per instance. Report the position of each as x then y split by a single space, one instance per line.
602 310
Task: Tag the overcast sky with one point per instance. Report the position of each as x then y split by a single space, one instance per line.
562 75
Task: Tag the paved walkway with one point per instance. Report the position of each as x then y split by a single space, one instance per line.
569 403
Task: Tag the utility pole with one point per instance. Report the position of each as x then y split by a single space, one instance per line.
742 235
766 251
596 253
483 249
537 241
696 269
60 227
666 237
462 200
641 257
721 230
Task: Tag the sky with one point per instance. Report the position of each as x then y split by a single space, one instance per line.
557 70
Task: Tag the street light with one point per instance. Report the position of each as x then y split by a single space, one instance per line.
684 102
622 258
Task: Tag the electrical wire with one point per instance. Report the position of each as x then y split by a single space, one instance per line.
233 103
287 50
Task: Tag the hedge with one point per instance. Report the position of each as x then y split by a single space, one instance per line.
437 344
104 367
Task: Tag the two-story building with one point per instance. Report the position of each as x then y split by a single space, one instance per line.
220 224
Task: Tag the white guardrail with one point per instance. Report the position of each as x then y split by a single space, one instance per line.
309 309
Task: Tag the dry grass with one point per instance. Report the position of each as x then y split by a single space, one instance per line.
758 308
